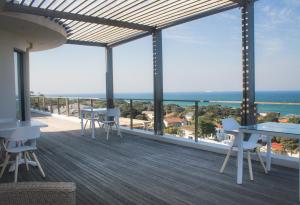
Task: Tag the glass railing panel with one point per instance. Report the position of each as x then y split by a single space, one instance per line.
143 115
62 106
209 120
73 108
33 102
283 113
48 105
124 106
99 103
179 119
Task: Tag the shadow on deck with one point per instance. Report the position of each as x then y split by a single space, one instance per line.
134 170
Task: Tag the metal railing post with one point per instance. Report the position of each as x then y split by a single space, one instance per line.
67 106
58 109
131 114
91 102
44 104
38 102
196 120
78 107
51 105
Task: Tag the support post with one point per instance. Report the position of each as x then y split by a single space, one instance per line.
109 78
91 102
196 120
158 82
248 112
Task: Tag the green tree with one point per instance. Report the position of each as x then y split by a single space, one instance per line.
172 130
207 127
295 120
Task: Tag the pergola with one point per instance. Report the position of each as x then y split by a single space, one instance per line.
109 23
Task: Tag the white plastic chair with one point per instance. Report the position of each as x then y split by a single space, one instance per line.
97 118
22 141
5 133
112 118
232 125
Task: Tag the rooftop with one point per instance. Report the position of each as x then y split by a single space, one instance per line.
135 170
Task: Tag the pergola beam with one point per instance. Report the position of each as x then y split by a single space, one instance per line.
181 21
132 38
201 15
86 43
74 17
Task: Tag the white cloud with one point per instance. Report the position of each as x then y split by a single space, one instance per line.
270 46
184 38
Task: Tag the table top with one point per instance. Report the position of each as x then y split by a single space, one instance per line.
98 110
274 127
10 126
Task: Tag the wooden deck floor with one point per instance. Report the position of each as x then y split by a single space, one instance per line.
134 170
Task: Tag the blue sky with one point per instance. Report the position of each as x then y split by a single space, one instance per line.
197 56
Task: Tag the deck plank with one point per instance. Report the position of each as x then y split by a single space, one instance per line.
134 170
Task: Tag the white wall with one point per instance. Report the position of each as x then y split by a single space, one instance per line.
8 42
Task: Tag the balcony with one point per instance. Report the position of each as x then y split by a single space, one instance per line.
136 170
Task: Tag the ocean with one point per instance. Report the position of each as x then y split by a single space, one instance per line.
261 96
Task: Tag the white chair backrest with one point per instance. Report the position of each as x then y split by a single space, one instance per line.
25 133
113 112
230 124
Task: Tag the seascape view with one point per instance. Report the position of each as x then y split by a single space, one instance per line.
149 102
283 97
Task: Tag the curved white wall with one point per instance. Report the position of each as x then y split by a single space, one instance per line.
25 33
8 42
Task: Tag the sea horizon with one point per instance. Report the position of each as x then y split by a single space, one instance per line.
288 96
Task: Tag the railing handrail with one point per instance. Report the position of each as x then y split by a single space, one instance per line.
172 100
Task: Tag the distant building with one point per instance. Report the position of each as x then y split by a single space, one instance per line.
187 131
189 116
149 114
174 122
283 120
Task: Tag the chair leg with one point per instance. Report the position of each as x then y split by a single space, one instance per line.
107 131
250 165
118 130
25 154
261 161
17 168
226 160
38 164
85 124
4 164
